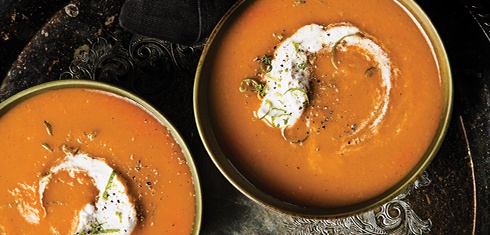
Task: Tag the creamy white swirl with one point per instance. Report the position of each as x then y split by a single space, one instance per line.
113 211
288 80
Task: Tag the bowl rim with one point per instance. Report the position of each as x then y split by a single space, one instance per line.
240 182
30 92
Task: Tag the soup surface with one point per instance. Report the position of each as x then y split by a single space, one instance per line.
324 103
81 161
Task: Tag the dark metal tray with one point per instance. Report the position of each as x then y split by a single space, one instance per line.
42 41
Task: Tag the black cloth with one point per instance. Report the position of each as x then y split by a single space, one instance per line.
180 21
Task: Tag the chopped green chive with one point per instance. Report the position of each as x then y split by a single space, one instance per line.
69 150
296 46
119 215
110 230
105 195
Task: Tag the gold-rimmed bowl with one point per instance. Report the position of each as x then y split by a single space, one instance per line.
134 100
223 161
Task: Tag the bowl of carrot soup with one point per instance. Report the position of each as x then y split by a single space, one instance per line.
323 109
84 157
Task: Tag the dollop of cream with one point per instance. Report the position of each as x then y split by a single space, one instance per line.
113 211
288 81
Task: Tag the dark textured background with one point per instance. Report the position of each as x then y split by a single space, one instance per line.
40 41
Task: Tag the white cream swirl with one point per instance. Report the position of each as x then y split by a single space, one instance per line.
288 80
113 211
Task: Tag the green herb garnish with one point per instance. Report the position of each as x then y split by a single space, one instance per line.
258 87
305 93
119 215
96 228
110 230
47 147
269 110
49 128
302 66
285 122
265 63
69 150
296 46
369 72
283 132
105 195
335 46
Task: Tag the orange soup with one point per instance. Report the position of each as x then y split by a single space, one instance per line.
83 161
324 103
